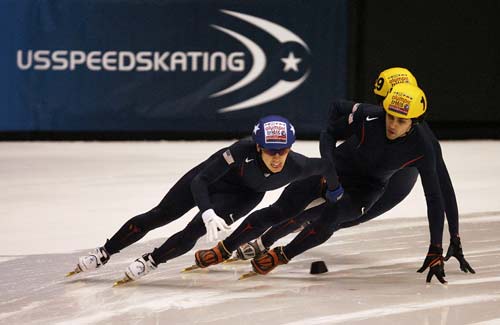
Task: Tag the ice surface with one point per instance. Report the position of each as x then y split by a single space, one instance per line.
59 199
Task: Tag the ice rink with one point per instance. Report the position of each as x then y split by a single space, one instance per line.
60 199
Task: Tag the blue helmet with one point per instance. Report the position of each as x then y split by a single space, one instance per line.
274 132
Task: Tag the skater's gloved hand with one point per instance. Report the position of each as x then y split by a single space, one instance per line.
455 250
213 223
334 195
434 261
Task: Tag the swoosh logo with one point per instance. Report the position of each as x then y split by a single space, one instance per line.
280 88
282 34
371 118
258 57
248 160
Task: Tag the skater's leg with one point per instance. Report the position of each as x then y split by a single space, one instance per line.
398 188
357 198
288 226
229 206
323 228
175 204
181 242
261 245
292 201
313 235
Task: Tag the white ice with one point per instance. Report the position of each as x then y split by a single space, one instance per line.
59 199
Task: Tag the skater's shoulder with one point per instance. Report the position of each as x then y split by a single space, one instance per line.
238 151
243 147
298 160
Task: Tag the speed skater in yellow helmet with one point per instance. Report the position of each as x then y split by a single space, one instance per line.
390 77
405 105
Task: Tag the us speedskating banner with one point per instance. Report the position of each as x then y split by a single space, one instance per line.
183 66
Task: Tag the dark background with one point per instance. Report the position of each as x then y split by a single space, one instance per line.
452 47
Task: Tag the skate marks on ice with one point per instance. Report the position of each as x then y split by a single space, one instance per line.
372 280
393 310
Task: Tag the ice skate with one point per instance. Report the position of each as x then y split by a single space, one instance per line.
208 257
190 268
122 281
137 269
90 262
269 261
232 260
248 275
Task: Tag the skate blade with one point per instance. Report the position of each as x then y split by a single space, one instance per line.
126 279
248 275
231 260
75 271
191 268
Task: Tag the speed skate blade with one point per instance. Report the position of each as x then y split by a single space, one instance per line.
75 271
191 268
231 260
248 275
125 279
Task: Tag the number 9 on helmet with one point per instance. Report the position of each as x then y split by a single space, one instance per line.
390 77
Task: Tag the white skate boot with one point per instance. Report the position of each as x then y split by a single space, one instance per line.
92 261
138 268
251 250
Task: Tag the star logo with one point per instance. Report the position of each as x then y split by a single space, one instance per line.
291 62
292 129
255 129
259 59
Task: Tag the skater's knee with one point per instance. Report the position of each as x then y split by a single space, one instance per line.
149 220
196 228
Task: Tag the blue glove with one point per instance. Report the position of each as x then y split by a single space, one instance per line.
334 195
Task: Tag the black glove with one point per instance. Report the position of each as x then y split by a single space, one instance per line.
434 261
455 250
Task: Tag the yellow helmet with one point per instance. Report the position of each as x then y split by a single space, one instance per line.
406 101
390 77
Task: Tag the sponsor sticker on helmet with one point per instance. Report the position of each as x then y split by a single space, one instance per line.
400 103
398 78
275 132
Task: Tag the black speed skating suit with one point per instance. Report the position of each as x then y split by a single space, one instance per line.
398 187
365 163
232 182
380 191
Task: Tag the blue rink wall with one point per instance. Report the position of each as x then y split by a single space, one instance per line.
170 66
163 69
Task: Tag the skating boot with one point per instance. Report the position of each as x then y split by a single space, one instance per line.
266 263
269 261
138 268
95 259
216 255
251 250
